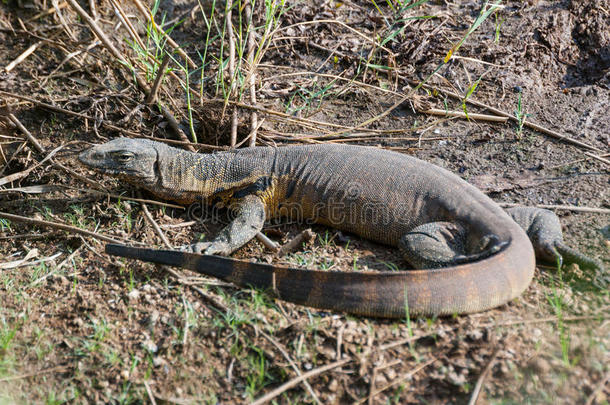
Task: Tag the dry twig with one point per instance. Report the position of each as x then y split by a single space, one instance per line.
561 207
56 225
27 133
477 388
148 14
292 364
598 389
305 236
232 78
408 375
152 96
35 373
295 381
149 392
499 112
154 224
252 73
460 114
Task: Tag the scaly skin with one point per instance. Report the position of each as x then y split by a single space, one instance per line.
477 257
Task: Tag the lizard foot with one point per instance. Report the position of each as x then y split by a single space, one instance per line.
208 248
442 244
569 255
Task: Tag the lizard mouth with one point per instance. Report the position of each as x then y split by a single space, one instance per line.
87 158
99 161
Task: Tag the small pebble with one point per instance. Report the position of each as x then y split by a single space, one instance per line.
133 295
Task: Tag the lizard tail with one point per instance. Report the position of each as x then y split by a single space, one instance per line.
463 288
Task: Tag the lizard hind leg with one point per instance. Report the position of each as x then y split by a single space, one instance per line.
544 230
442 244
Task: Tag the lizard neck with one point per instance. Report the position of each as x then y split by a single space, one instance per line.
187 176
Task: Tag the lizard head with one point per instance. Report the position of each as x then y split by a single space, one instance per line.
134 160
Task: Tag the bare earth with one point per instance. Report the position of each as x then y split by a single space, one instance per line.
86 327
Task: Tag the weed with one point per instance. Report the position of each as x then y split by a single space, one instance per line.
468 94
410 327
100 329
38 271
46 212
309 99
260 299
391 266
7 334
499 22
77 217
326 240
520 115
258 378
327 264
5 225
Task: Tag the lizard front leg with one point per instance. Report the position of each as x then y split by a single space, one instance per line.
248 219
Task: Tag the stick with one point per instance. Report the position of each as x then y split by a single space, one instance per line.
186 143
152 96
21 376
186 325
229 24
269 244
477 388
22 57
56 269
292 364
296 242
49 11
600 158
399 380
295 381
511 117
93 9
561 207
149 392
16 176
474 116
125 21
98 32
597 390
252 74
27 133
369 39
62 20
578 160
155 225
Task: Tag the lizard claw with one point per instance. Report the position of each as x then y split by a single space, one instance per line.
198 247
217 248
207 248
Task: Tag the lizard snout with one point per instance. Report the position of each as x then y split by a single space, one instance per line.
90 156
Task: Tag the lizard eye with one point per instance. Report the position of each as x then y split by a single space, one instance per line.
124 156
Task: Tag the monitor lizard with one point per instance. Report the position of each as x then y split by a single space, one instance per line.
469 254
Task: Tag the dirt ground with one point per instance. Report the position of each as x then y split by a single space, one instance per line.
77 325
